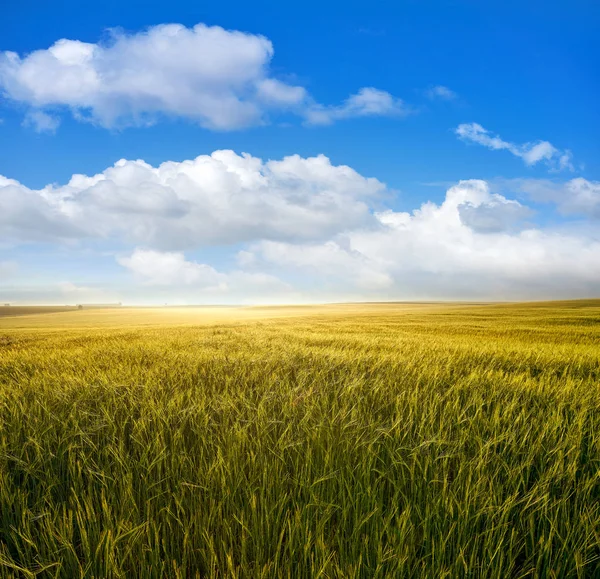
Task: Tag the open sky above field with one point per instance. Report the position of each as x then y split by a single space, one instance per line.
263 152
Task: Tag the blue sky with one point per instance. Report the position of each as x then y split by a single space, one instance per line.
404 150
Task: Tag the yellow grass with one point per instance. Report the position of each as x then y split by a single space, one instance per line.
374 440
29 317
31 310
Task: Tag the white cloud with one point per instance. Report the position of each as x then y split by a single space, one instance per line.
582 197
27 215
530 153
440 92
218 78
434 252
74 293
330 259
273 91
173 270
497 215
41 122
221 198
575 197
306 229
368 102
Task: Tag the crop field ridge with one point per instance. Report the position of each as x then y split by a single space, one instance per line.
354 441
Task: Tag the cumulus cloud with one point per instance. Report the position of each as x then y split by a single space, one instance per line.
221 198
27 215
581 197
575 197
440 92
494 216
443 251
173 270
332 259
218 78
530 153
306 229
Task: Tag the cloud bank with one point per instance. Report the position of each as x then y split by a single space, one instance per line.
217 199
306 229
220 79
441 252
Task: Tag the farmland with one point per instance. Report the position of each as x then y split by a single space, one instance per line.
32 310
373 440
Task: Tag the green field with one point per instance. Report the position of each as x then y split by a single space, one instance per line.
390 440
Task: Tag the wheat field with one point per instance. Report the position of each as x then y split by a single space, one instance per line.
373 440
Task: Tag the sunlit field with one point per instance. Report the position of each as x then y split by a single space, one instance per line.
382 440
